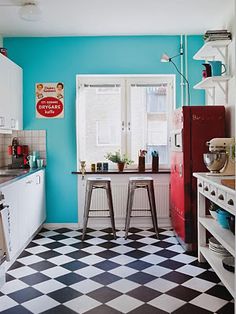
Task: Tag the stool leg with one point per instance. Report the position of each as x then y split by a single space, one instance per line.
88 196
151 197
129 208
111 209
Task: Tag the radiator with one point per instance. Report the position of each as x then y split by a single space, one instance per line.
119 194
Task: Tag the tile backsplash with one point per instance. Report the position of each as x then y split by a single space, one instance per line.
35 139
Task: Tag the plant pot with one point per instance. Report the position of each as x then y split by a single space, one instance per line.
155 163
141 164
121 166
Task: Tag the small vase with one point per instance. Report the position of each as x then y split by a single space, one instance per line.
141 164
121 166
155 163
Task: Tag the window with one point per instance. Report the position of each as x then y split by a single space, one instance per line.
124 113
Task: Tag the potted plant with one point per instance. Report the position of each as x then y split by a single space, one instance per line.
121 160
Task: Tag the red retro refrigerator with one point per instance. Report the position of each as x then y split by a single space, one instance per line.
192 127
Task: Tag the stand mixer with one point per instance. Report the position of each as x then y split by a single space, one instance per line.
218 160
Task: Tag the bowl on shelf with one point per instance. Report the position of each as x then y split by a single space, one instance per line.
231 222
213 213
228 263
222 217
214 161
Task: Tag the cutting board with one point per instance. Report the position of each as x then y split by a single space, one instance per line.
230 183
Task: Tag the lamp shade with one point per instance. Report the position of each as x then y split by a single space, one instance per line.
165 58
30 12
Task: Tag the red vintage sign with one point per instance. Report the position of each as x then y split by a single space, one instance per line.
49 107
49 100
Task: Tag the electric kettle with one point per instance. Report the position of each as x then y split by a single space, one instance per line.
216 68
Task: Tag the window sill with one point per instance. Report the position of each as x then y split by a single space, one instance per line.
126 171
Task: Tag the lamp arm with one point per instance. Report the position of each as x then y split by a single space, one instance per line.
179 54
183 78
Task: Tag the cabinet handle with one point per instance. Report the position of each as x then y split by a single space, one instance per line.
200 185
221 197
213 193
231 202
206 188
38 179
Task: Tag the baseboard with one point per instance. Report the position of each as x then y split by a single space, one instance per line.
142 222
52 226
100 223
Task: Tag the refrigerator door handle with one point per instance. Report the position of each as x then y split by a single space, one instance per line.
180 170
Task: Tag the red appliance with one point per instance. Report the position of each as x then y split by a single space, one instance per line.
192 127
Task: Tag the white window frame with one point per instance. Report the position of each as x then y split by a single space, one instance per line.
124 81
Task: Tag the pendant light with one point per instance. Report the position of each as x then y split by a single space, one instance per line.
30 12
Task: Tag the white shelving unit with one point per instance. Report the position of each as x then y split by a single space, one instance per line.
210 187
214 50
212 82
211 49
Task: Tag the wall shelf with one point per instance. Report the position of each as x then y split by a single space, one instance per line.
211 49
212 81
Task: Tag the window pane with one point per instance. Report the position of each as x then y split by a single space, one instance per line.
149 121
102 121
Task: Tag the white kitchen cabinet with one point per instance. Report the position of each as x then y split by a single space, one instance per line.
210 187
10 95
10 193
26 200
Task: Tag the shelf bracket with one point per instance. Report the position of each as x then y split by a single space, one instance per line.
211 93
221 51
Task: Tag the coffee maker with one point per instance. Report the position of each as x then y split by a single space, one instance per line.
18 154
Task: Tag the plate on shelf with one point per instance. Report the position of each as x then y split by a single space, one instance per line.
228 263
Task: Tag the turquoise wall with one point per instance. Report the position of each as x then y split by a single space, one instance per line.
60 59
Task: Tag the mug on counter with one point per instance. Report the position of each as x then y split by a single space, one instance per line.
39 163
31 161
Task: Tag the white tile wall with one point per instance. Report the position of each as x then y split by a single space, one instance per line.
36 140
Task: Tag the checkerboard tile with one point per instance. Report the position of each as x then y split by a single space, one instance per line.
58 273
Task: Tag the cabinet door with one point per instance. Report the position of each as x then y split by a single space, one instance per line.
10 193
15 98
39 214
10 95
4 92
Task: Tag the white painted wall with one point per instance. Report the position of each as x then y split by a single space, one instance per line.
230 100
230 107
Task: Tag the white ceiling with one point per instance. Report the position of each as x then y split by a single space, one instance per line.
117 17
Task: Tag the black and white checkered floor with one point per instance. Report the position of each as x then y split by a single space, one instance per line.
57 273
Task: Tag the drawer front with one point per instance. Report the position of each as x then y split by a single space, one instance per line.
230 201
200 185
213 192
206 188
221 197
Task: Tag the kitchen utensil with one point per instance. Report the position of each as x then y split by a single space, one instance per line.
216 68
214 161
229 263
207 70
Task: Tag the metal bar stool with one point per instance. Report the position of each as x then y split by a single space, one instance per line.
98 183
141 183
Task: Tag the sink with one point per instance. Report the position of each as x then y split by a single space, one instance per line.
12 172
